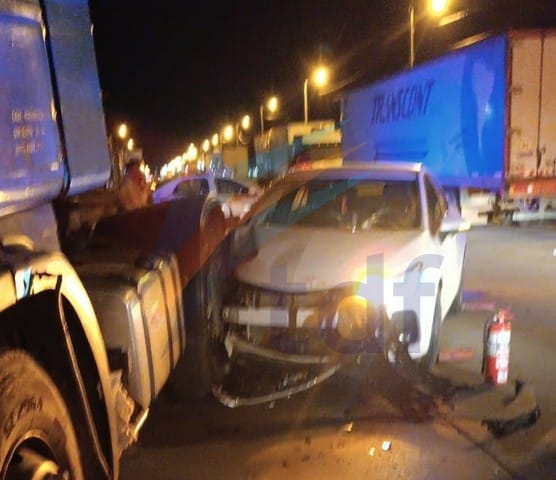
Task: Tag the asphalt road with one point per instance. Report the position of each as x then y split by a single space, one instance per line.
368 423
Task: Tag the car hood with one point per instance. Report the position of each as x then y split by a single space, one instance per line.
301 258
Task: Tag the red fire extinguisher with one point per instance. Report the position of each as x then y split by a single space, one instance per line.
496 348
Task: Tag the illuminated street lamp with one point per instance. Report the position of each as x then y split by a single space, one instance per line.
228 133
246 122
215 140
436 7
205 146
122 131
320 79
130 144
271 106
245 125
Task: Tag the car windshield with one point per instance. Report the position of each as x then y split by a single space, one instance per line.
357 205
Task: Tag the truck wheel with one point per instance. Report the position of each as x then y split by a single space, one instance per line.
431 357
37 439
203 361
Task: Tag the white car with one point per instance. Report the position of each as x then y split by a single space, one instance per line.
329 261
235 197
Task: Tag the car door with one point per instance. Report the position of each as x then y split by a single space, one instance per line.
446 245
192 187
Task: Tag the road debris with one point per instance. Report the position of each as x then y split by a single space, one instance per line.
503 409
348 427
455 355
386 445
372 452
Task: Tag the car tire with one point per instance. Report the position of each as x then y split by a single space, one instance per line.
36 432
457 304
431 357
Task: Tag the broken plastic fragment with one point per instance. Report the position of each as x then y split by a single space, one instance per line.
386 445
372 452
348 427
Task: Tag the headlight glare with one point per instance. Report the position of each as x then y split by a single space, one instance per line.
353 316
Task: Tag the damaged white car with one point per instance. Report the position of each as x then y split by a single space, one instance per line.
333 261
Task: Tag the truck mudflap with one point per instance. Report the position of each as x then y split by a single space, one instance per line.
501 409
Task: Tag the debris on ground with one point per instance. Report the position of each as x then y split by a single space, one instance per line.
455 355
348 427
386 445
372 452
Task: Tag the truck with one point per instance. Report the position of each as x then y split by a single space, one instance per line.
96 303
481 117
282 147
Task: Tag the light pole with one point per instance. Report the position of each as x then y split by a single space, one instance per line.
320 79
271 106
227 134
122 133
436 7
411 33
245 125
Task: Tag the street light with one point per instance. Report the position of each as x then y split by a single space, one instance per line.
228 133
130 144
245 124
436 7
122 131
215 140
320 79
271 106
206 145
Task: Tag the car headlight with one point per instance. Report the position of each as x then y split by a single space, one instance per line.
354 316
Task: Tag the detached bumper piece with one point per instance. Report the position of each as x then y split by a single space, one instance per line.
502 410
260 374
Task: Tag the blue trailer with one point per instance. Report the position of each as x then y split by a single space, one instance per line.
481 118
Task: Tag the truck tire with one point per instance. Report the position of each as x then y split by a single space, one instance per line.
201 366
37 438
431 357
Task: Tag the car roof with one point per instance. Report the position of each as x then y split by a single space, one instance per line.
356 169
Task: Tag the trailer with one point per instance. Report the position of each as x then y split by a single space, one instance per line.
482 118
283 147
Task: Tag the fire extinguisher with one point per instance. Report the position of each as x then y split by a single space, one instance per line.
496 347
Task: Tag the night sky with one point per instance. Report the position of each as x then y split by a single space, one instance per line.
177 70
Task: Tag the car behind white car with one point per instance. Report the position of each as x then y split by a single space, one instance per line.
235 197
330 261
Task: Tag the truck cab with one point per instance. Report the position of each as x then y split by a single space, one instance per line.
91 318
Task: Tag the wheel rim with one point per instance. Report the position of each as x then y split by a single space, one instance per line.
34 460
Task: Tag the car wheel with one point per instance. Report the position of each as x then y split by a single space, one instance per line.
37 438
457 304
431 357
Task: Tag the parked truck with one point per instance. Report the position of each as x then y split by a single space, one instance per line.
282 147
92 298
482 118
